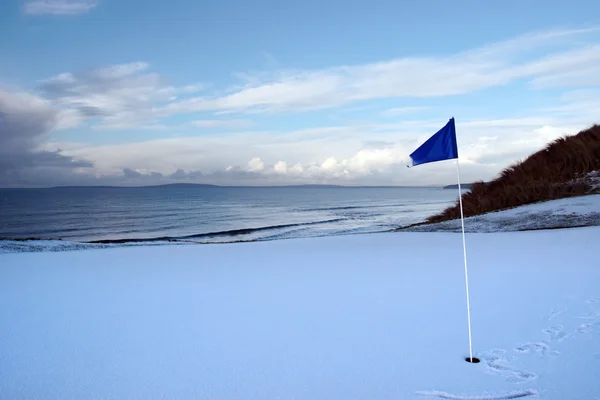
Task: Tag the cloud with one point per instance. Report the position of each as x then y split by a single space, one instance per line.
115 95
393 112
280 167
131 96
256 165
123 96
337 154
216 123
575 51
576 103
24 119
59 7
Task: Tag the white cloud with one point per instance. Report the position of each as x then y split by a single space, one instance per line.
59 7
256 165
280 167
569 68
216 123
334 154
66 119
131 96
489 66
582 77
118 71
193 88
393 112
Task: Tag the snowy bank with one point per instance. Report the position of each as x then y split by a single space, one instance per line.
570 212
378 316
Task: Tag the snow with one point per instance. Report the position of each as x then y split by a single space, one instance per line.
377 316
593 179
569 212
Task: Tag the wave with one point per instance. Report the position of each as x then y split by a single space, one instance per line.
228 233
337 208
341 208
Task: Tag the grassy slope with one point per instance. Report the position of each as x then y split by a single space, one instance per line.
557 171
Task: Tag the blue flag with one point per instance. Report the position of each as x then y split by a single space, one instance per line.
441 146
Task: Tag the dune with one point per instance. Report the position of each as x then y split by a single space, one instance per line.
566 167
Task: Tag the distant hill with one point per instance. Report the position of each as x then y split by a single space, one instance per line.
198 185
462 186
168 185
205 185
184 185
568 166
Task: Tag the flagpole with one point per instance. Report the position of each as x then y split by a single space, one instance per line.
462 220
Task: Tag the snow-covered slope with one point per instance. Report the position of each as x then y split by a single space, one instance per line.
379 316
570 212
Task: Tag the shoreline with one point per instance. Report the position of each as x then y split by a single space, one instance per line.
567 213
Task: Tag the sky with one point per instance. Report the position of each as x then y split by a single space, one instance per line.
132 92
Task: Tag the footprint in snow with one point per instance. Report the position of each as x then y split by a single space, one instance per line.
541 348
507 396
495 362
592 324
593 316
555 313
588 327
555 333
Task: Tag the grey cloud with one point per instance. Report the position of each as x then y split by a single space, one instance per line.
59 7
23 120
234 174
105 92
179 174
191 175
41 159
129 173
91 111
125 95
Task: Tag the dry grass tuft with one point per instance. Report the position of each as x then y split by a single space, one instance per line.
554 172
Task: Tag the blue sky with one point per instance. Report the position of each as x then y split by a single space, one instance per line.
137 92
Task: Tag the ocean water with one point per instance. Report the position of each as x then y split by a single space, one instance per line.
211 214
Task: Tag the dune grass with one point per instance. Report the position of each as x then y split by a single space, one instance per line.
557 171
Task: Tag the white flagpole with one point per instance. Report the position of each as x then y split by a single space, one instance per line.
462 220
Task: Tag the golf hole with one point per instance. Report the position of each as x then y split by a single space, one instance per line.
473 360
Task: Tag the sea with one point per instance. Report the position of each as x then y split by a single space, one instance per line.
211 214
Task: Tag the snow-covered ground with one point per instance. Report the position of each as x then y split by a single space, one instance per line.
570 212
377 316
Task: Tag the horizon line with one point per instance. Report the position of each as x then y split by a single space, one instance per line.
209 185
